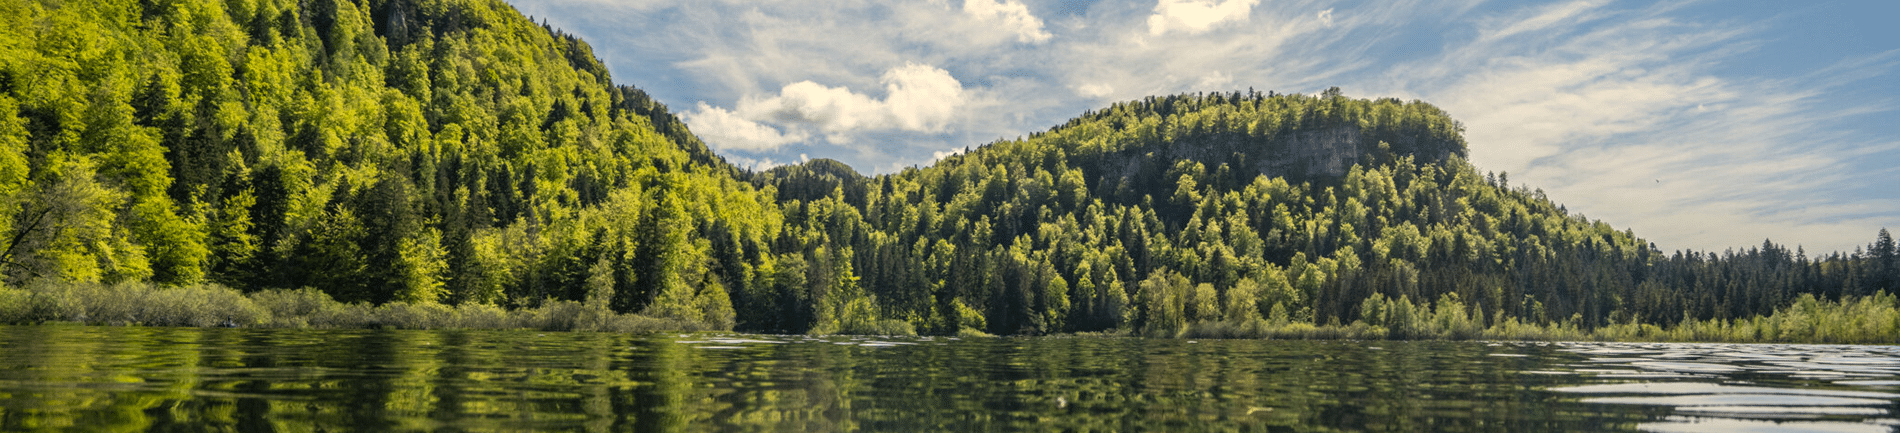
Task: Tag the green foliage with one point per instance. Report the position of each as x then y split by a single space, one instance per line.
421 262
1165 298
445 162
144 304
418 151
1253 213
131 303
972 321
67 229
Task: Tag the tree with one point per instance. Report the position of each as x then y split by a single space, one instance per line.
1243 301
422 263
1886 263
67 232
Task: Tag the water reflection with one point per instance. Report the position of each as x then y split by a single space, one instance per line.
65 378
1743 388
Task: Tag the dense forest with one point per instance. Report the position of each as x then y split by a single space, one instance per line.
413 151
1143 216
453 152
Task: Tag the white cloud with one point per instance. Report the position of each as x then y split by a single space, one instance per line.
832 109
1215 81
918 98
724 130
1325 17
1095 91
1011 15
1196 16
922 98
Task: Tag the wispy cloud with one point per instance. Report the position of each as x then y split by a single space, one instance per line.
1547 18
1626 112
1618 114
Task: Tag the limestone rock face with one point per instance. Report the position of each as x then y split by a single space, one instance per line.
1318 154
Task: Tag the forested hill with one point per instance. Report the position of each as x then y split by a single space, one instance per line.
379 150
1233 210
454 152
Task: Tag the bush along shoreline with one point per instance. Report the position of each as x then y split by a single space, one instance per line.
212 305
1871 319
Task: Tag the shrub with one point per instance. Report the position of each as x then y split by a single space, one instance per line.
196 305
422 315
15 305
306 308
484 316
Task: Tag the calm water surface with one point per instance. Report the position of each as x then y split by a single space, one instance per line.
73 378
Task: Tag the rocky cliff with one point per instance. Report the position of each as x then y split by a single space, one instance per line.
1319 155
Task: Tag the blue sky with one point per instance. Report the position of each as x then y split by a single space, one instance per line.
1699 124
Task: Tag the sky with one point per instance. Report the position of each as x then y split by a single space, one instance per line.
1703 125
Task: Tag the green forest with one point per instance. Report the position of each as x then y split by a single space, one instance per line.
451 163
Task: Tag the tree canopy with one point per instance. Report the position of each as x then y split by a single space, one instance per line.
455 152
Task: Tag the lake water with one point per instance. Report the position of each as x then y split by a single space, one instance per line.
76 378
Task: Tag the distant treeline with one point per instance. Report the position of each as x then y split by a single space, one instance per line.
437 153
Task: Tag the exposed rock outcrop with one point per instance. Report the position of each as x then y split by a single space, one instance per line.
1318 155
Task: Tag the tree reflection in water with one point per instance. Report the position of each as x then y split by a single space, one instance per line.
131 378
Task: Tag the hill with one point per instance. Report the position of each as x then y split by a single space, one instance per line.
452 152
1228 209
386 150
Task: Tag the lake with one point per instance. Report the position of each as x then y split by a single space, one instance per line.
81 378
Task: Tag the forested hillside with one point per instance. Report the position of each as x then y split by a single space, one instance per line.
452 152
419 151
1241 209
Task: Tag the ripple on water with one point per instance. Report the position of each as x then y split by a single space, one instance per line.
1687 367
1727 408
744 341
1684 388
1841 368
1612 351
1783 411
1868 382
1615 360
1687 424
1859 360
1752 356
1738 400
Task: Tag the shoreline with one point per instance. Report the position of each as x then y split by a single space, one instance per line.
1870 320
